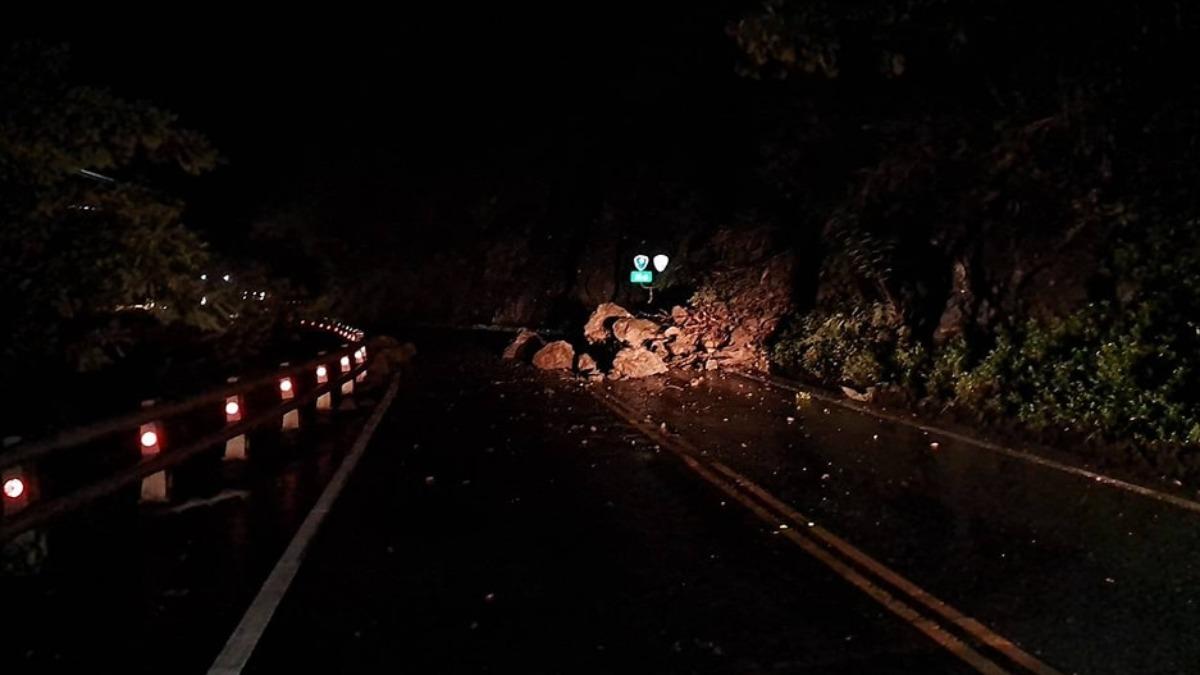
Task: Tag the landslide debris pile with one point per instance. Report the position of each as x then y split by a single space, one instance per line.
726 325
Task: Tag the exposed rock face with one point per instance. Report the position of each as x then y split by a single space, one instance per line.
558 355
600 322
524 345
635 332
594 279
730 320
634 362
959 306
586 365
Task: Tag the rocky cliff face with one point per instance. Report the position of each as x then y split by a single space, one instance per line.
733 315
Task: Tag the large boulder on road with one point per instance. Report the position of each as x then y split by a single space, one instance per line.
635 332
635 362
523 345
600 322
558 355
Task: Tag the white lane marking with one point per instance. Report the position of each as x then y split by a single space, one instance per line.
241 644
1141 490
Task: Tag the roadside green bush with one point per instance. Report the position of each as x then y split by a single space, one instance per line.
851 348
1106 373
910 360
948 366
981 389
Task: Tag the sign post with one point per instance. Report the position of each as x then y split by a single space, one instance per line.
641 276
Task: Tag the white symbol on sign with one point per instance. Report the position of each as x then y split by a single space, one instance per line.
660 262
640 262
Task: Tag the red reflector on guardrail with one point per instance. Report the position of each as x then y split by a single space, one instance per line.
14 488
233 409
150 438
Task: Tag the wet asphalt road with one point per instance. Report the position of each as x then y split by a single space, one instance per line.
1088 578
504 519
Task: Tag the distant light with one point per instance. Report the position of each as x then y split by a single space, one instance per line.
285 384
226 277
149 439
203 277
345 361
232 408
660 262
98 176
321 372
14 488
204 301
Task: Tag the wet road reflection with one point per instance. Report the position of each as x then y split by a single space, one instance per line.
505 521
1090 578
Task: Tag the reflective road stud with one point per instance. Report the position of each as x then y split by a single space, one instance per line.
235 448
150 440
291 418
324 401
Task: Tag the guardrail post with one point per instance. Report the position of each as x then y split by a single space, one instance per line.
347 403
155 487
235 448
324 401
360 357
348 385
287 391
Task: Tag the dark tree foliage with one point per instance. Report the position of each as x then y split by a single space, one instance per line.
78 249
1013 227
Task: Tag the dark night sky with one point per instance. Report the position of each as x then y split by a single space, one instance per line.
376 116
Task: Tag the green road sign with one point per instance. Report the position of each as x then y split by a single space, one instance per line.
641 276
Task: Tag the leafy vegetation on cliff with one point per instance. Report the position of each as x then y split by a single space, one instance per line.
1017 236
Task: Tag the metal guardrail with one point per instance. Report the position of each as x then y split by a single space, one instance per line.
196 418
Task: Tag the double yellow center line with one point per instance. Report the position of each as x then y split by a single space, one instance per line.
959 634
